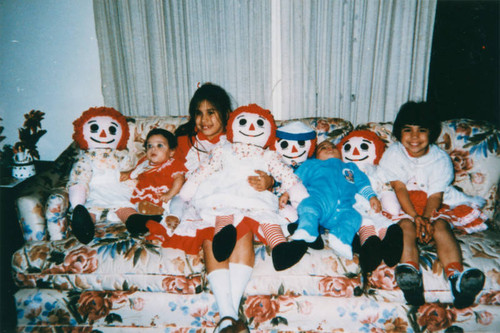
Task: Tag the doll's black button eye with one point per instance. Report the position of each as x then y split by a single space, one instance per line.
284 144
364 146
302 143
94 128
347 147
112 130
260 122
243 122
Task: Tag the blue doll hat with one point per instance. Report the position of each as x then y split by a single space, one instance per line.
295 130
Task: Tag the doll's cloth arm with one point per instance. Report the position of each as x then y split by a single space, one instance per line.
214 164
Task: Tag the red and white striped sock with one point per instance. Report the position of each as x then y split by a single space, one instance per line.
273 234
365 232
222 221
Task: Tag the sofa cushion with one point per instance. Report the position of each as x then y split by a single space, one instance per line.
112 261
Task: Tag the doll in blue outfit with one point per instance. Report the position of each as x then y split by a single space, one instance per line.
332 185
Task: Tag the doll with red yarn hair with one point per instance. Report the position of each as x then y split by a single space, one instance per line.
221 193
94 181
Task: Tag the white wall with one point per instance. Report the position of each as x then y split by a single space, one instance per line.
49 61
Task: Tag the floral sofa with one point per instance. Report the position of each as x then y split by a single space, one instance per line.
118 283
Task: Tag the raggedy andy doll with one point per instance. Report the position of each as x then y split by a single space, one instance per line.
94 181
221 193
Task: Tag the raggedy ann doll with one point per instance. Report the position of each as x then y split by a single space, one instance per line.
379 238
222 194
295 142
94 181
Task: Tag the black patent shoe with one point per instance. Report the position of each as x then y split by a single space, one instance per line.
82 225
392 245
224 242
465 287
370 254
410 282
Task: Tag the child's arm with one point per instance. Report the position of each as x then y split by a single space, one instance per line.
179 180
422 224
285 197
375 204
261 182
125 175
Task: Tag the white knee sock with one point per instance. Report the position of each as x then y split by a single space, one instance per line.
240 275
220 283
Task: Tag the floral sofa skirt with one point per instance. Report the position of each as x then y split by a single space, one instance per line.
119 283
108 286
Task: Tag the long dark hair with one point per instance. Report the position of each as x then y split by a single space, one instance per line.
212 93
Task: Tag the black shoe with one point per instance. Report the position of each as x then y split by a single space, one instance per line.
224 242
392 245
82 225
318 244
287 254
465 287
356 244
136 223
291 227
370 254
410 282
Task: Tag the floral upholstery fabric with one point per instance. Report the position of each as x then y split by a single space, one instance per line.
118 283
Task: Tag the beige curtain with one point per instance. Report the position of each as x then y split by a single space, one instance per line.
358 60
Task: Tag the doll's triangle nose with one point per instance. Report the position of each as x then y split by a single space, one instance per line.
252 127
102 134
294 150
355 151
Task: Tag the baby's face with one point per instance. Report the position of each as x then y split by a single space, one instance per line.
326 150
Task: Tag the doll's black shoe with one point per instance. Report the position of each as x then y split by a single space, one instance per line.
82 225
224 242
287 254
370 254
409 280
318 244
356 244
291 227
465 287
136 223
392 245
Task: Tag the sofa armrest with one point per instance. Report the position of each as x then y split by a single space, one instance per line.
43 198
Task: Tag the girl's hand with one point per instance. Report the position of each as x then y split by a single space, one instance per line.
124 175
424 229
375 204
261 182
284 200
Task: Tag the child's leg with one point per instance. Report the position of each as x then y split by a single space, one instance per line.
342 226
220 283
465 285
224 237
407 273
285 254
309 212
